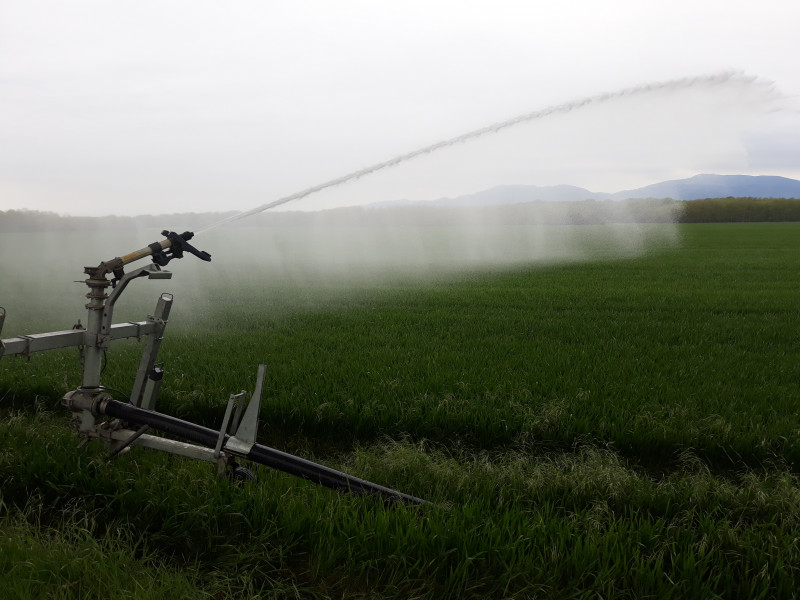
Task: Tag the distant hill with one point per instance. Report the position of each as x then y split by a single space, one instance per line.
717 186
693 188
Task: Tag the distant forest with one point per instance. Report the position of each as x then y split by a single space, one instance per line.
710 210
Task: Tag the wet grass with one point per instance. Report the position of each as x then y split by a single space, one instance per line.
617 428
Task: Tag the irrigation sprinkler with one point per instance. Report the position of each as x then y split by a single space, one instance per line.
120 425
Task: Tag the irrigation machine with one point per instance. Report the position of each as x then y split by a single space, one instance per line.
120 425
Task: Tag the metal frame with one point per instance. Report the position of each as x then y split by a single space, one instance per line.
96 338
98 416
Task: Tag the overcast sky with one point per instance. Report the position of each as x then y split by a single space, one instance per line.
131 107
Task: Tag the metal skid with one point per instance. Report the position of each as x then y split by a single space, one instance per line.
120 425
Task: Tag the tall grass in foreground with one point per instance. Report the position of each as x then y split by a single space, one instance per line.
507 525
620 429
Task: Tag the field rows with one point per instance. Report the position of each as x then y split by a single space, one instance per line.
611 428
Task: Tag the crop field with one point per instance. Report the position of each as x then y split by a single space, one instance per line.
620 425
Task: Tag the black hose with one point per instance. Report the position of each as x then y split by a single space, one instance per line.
164 423
288 463
325 476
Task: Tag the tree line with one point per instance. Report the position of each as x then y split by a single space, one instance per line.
740 210
709 210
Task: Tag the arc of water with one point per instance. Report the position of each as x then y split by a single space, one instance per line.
675 84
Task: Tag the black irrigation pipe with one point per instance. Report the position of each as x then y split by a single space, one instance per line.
264 455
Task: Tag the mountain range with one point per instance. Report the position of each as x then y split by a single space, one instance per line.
693 188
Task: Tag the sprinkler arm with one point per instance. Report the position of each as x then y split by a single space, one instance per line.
173 246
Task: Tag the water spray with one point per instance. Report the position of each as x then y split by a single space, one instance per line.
120 425
675 85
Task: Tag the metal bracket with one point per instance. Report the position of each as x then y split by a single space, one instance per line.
146 385
243 430
2 320
225 420
27 339
150 271
124 445
138 334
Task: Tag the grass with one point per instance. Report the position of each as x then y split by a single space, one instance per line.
620 428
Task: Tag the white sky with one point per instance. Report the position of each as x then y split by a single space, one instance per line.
131 107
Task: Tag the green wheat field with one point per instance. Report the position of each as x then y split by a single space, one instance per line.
622 425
